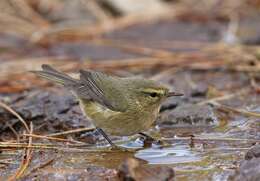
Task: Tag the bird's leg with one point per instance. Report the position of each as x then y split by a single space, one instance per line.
100 131
147 136
113 145
148 140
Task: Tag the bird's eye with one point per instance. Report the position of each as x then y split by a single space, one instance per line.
153 94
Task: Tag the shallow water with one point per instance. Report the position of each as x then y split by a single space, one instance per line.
200 161
171 155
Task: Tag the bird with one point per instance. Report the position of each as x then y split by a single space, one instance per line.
121 106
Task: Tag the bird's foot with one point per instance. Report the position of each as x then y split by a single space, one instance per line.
148 141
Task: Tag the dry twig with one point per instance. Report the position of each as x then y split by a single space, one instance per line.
235 110
225 97
42 165
3 105
209 139
26 11
52 138
14 131
25 160
71 132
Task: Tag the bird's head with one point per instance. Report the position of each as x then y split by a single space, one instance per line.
148 93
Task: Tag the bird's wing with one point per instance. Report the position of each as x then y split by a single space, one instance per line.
103 89
52 74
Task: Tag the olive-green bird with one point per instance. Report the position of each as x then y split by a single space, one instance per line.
118 106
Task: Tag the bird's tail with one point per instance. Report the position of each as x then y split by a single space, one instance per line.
58 77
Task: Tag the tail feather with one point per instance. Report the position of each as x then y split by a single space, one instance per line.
51 74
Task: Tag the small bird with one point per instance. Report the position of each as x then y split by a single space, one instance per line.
118 106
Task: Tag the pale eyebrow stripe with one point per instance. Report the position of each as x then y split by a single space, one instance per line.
158 91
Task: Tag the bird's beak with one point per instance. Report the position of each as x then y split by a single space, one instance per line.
170 94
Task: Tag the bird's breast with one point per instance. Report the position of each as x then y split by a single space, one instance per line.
118 123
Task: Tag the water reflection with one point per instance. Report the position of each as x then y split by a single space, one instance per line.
170 155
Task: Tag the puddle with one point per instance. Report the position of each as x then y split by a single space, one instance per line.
177 153
172 155
216 160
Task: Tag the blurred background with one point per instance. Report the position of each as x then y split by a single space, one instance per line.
208 49
141 35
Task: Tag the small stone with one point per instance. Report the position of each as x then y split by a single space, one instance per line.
189 115
248 170
133 170
253 153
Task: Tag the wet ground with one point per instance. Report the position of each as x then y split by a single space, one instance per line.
208 131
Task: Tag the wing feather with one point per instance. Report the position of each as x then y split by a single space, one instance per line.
99 87
92 85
